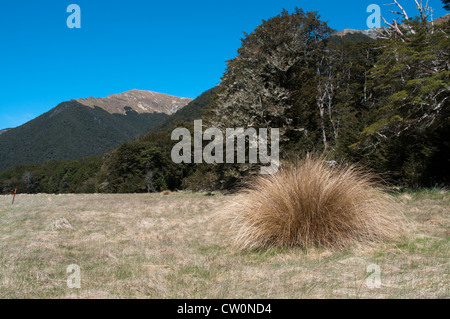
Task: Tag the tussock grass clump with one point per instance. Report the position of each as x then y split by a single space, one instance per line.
313 203
166 192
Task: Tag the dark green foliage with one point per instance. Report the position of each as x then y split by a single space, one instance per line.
144 165
351 37
384 104
76 176
271 83
70 131
407 138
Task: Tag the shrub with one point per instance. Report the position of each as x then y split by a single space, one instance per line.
313 203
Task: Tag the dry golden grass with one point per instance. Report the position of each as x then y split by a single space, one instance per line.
166 192
154 246
311 203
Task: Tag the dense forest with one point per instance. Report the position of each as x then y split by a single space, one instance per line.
383 104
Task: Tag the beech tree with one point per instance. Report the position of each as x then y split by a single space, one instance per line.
412 85
254 90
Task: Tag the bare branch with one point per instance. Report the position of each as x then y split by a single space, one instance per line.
403 10
425 11
387 22
396 12
395 27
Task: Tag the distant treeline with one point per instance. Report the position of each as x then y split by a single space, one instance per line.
77 176
383 104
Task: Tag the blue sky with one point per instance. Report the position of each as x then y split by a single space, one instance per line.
174 47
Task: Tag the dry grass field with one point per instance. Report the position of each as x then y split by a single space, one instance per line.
175 246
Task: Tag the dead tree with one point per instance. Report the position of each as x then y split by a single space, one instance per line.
394 27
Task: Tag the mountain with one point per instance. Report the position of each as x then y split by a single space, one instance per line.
85 127
353 35
81 175
442 20
139 100
371 34
192 111
4 131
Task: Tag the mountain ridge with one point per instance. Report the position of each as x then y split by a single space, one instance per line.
374 32
141 101
85 127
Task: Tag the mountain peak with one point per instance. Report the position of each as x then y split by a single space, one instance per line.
371 33
442 19
374 32
140 101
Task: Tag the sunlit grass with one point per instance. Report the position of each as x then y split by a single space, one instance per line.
173 246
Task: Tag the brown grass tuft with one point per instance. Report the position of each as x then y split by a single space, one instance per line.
312 203
166 192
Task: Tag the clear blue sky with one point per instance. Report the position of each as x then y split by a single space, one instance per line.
174 47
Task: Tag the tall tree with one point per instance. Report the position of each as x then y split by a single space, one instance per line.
412 85
254 87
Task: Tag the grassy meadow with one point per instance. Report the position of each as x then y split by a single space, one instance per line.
177 246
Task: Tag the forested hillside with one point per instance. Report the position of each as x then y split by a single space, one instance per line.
86 127
193 111
139 165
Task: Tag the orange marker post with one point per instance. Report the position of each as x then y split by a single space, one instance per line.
14 197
